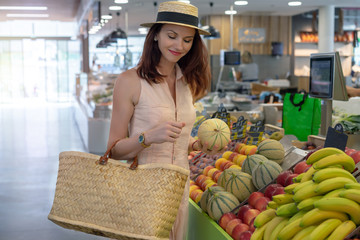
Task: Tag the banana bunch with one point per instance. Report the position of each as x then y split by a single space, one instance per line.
324 203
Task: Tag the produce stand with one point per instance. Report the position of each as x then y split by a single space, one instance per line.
201 226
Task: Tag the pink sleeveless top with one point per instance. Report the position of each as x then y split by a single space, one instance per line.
156 106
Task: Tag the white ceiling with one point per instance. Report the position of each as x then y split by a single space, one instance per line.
140 11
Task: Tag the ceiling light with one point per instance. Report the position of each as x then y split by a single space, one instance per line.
106 17
115 8
22 8
229 12
121 1
27 15
294 3
241 3
184 1
143 30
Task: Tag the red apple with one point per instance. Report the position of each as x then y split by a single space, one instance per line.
261 203
349 151
253 197
252 226
356 156
300 167
238 230
270 189
242 210
245 235
232 224
250 215
225 218
279 190
282 177
289 179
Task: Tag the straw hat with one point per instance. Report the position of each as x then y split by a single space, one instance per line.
178 13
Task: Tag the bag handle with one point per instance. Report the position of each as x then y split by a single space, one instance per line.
104 159
299 104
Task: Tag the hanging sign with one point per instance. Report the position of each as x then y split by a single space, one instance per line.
252 35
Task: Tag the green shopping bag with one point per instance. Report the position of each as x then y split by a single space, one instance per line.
301 115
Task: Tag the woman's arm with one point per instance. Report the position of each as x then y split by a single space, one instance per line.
353 92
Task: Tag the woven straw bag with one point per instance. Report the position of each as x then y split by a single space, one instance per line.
105 197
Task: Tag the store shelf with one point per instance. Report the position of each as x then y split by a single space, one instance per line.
201 226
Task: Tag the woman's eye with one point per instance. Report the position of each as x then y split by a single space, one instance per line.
172 37
187 41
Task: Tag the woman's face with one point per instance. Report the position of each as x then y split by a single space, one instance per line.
175 41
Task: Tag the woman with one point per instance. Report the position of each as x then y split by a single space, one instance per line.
153 110
248 70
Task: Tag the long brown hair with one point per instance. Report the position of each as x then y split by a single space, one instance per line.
194 65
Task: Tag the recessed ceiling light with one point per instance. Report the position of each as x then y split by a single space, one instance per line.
294 3
22 8
106 17
229 12
121 1
115 8
27 15
241 3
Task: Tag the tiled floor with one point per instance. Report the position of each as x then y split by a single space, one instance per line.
32 134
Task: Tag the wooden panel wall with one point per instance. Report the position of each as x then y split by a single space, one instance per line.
278 29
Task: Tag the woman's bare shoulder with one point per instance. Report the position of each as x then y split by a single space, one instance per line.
128 84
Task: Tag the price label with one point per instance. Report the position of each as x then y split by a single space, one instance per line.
222 114
255 133
336 137
238 130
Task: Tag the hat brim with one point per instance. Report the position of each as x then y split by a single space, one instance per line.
201 31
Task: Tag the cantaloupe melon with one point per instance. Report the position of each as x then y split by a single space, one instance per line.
264 173
215 132
272 150
226 174
221 203
208 193
240 185
251 161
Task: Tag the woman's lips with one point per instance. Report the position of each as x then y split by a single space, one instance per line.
175 53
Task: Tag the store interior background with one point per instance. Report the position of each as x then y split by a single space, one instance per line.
47 63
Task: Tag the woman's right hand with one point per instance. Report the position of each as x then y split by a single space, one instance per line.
164 132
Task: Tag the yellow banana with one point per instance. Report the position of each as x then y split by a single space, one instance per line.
290 230
321 153
264 217
272 205
286 210
302 185
341 158
271 226
327 173
342 230
332 184
315 216
277 229
308 174
352 186
352 194
334 193
298 178
281 199
308 204
324 229
298 215
289 188
306 192
340 205
304 233
258 234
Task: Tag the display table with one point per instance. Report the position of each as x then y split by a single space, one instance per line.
201 226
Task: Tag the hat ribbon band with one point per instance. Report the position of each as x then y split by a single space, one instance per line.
178 18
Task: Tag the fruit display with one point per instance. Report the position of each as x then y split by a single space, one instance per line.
322 203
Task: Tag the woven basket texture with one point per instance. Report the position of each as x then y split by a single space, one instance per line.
113 201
